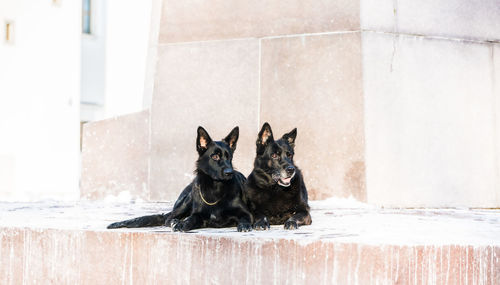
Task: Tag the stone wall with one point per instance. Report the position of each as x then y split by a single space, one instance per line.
396 103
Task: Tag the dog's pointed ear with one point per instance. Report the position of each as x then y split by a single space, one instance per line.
202 140
265 136
232 138
290 137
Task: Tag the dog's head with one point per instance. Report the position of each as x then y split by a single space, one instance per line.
215 157
275 158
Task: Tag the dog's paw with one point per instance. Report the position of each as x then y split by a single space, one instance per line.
183 226
262 225
179 226
176 228
291 225
172 223
244 227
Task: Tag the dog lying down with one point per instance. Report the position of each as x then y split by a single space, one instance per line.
213 199
275 189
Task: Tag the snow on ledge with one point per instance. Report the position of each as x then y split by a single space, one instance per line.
334 220
339 203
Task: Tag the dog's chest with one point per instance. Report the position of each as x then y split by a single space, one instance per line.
277 202
216 218
214 215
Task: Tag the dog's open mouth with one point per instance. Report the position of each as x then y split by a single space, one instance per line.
285 182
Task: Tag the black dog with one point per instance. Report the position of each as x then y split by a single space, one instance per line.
213 199
275 189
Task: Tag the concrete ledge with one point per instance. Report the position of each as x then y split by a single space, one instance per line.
93 257
67 244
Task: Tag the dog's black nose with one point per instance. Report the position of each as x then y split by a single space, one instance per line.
228 171
290 170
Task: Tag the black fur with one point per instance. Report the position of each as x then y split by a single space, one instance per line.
275 189
216 182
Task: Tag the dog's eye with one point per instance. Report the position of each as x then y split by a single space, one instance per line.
274 155
215 157
289 154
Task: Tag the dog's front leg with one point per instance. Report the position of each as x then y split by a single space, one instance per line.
244 221
181 210
242 217
261 222
195 221
298 219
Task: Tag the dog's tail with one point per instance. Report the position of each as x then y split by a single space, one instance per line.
141 222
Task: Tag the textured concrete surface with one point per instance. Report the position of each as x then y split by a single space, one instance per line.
383 116
185 21
89 257
431 123
423 111
314 83
495 54
191 20
115 157
348 243
212 84
473 19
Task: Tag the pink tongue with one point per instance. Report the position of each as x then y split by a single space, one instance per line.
285 180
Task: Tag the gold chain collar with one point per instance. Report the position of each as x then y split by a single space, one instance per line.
197 187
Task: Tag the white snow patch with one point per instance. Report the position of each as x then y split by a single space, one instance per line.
334 220
339 203
122 197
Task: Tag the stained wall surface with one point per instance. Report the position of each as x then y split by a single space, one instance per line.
116 158
393 103
431 122
209 84
314 83
33 256
248 63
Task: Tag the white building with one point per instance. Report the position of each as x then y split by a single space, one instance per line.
47 67
114 49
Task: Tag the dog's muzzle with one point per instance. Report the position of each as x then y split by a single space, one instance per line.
289 174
